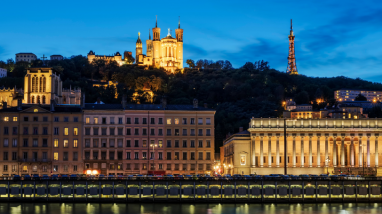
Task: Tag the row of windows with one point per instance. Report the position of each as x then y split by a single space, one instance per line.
169 121
137 143
44 143
34 168
36 132
65 156
111 155
36 119
185 132
143 166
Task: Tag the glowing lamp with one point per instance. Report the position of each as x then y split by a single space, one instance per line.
88 172
95 172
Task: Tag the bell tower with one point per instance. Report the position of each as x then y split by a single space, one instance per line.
156 44
179 45
149 46
292 67
138 49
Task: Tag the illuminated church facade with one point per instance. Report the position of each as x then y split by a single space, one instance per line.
166 52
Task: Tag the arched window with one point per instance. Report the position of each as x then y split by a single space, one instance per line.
40 85
44 84
32 99
64 100
33 83
43 99
38 100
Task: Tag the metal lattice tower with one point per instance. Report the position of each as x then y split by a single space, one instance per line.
292 66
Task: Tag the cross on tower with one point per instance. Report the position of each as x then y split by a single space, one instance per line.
43 59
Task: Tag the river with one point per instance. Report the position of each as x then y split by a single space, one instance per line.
184 208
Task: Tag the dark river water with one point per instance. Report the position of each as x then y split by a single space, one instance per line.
177 208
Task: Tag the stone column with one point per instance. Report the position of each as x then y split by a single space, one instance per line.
352 152
269 151
326 150
376 151
342 152
310 152
302 152
360 153
334 152
277 152
368 152
253 152
294 152
261 152
318 151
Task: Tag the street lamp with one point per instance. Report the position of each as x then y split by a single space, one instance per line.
327 164
152 157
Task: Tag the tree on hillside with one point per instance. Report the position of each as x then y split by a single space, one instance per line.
302 98
190 63
360 97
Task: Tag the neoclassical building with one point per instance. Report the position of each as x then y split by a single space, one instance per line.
41 86
166 52
314 146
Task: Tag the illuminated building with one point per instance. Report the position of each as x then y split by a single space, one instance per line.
350 95
166 52
292 66
116 57
313 146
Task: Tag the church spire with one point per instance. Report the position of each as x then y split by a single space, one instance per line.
179 23
149 34
156 21
292 66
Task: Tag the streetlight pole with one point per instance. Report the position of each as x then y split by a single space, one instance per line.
285 149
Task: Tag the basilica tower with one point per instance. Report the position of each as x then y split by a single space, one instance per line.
138 49
179 43
149 46
156 44
292 67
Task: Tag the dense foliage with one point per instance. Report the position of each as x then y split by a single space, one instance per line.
254 90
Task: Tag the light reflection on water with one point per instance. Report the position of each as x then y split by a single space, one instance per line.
184 208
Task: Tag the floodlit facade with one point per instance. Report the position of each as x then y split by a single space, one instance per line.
350 95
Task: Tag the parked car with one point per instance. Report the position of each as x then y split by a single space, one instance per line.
36 177
315 177
237 176
169 177
188 177
27 177
45 177
73 177
305 177
101 177
247 177
54 177
64 177
16 177
110 177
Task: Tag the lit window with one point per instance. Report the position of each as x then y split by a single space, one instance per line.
55 143
177 121
14 119
168 121
66 131
75 143
35 110
6 119
25 168
75 131
87 120
66 143
55 156
96 120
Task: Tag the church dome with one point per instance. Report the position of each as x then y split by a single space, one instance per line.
117 54
91 53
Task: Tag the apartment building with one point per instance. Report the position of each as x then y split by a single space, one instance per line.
25 57
104 139
40 140
351 94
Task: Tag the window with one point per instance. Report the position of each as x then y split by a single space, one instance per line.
120 143
184 155
75 168
200 132
75 143
128 131
25 168
160 132
184 143
87 131
192 132
45 130
95 143
144 121
136 131
56 119
6 119
136 143
103 131
55 130
66 131
144 155
200 166
55 156
14 168
112 142
35 119
5 143
14 142
5 156
75 131
168 166
55 143
168 132
44 142
200 156
192 155
168 143
168 121
87 120
14 130
200 144
168 155
35 130
103 143
184 132
26 119
120 131
35 143
111 120
25 155
25 143
176 132
104 120
95 120
14 119
128 120
55 168
208 121
152 120
208 132
111 155
144 131
128 143
119 155
128 155
208 144
5 168
144 144
65 156
176 143
176 156
176 121
120 120
184 121
160 121
75 119
136 155
160 143
5 130
152 132
160 166
95 131
66 143
136 120
192 121
14 155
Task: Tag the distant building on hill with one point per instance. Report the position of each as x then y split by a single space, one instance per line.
351 94
3 72
116 57
25 57
56 57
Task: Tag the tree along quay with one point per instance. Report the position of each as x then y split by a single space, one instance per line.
254 191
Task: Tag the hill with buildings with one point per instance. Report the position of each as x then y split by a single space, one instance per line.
254 90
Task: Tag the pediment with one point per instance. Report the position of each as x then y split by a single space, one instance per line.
36 109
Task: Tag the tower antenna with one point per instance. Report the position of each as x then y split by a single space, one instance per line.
156 21
292 66
179 23
149 34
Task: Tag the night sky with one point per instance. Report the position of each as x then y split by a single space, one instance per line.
333 38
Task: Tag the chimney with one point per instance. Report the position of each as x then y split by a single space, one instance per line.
195 103
82 100
205 105
19 102
240 129
164 102
52 104
4 105
124 101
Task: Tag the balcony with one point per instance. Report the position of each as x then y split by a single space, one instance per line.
34 160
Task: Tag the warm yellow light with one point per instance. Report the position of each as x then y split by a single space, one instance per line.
95 172
88 172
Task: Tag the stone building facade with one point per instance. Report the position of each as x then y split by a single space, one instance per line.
25 57
314 146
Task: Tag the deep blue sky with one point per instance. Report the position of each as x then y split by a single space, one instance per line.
333 38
